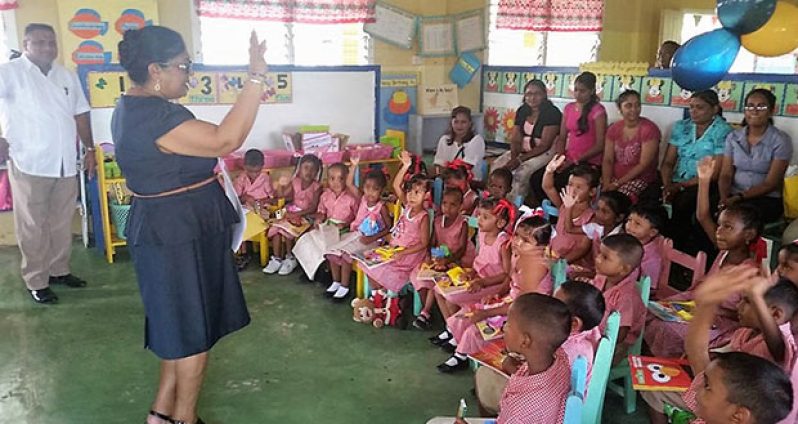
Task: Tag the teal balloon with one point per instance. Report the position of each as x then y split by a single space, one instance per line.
745 16
705 59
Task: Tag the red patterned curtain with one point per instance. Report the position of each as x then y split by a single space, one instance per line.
302 11
551 15
8 4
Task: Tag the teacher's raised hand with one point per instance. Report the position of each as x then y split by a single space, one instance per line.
257 50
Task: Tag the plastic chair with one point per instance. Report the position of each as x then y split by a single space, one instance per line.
549 210
518 201
622 369
574 404
437 191
670 255
558 273
600 374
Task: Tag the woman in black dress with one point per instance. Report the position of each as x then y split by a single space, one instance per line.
179 231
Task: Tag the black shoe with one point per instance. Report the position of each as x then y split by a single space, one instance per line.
437 341
43 296
462 364
448 348
422 323
68 280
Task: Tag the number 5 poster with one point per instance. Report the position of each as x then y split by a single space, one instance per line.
91 30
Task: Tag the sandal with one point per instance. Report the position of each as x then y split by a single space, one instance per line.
161 416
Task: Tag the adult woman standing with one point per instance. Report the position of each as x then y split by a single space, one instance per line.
756 158
631 149
537 123
461 142
581 137
180 227
702 134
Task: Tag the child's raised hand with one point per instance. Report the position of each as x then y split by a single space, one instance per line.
406 158
354 161
705 168
568 197
555 163
717 288
758 286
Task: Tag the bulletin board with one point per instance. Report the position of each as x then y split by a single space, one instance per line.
90 34
344 97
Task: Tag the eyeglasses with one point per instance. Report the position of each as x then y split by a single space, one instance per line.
756 108
186 67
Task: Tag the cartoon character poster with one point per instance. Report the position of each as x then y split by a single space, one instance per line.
553 84
90 31
492 79
791 100
730 94
778 89
680 97
623 83
656 91
398 100
510 83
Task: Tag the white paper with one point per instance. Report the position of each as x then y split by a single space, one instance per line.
437 38
393 25
470 34
232 196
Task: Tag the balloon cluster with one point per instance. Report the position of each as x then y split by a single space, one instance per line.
764 27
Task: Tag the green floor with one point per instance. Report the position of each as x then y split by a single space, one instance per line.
301 360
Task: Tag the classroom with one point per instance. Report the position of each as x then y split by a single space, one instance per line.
406 211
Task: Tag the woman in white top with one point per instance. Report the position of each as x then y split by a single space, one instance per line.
461 142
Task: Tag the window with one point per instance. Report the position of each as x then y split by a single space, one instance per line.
223 42
530 48
693 24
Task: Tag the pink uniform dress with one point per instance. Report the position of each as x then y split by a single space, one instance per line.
260 189
578 144
407 233
537 398
563 242
451 236
624 298
651 265
487 263
666 339
583 343
350 243
340 207
302 200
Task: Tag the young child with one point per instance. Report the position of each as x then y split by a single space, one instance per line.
411 232
253 186
765 311
582 185
337 207
529 267
788 269
500 183
586 304
301 195
457 174
450 229
371 225
737 237
645 223
617 272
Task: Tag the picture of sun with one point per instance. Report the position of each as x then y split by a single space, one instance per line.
508 122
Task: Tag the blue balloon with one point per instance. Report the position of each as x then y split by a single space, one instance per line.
745 16
705 59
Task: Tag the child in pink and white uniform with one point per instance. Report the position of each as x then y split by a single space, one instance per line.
253 185
371 225
645 223
457 174
301 195
411 232
450 229
587 307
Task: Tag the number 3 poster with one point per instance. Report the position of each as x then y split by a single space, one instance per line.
91 30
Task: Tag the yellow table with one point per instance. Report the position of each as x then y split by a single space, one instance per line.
256 232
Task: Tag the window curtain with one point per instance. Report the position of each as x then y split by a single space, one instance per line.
301 11
551 15
8 4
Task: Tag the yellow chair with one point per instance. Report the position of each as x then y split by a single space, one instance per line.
257 229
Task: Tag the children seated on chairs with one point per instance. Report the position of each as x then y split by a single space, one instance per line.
737 236
254 190
371 224
529 267
583 182
765 311
457 174
337 208
617 272
645 223
411 232
301 195
449 229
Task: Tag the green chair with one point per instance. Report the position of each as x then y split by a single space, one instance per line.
600 373
574 404
558 274
621 371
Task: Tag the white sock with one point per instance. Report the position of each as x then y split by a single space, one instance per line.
460 356
452 342
341 293
455 359
333 287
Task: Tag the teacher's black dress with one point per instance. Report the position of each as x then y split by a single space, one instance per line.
180 244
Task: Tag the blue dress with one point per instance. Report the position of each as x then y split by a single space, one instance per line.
180 244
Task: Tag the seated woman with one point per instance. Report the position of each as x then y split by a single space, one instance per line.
461 142
755 159
702 134
581 136
537 123
631 149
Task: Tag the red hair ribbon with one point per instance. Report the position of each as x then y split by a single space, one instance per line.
458 164
486 194
759 248
502 206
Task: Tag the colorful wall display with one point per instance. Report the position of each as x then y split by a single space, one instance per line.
398 100
90 31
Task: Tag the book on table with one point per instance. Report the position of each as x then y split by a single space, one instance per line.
659 374
673 310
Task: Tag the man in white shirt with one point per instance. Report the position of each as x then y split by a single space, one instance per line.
42 112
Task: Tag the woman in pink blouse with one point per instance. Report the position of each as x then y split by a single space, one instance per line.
631 149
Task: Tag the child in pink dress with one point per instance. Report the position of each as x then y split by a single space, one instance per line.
302 198
253 186
586 304
411 232
457 174
337 208
645 223
450 229
369 227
